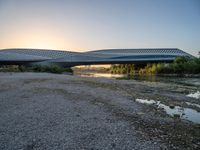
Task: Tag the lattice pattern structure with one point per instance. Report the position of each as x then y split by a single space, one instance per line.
14 56
51 54
140 51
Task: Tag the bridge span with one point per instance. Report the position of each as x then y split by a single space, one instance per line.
106 56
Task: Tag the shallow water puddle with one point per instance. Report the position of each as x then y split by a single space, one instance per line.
145 101
183 113
194 95
193 104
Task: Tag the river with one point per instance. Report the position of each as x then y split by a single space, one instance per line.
183 112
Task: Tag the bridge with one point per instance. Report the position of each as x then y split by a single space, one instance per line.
106 56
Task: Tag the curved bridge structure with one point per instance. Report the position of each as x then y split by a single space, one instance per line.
106 56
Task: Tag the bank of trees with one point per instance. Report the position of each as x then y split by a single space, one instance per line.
181 65
35 68
123 69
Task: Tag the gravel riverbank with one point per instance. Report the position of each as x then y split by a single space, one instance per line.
50 111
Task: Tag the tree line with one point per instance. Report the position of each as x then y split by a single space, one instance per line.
181 65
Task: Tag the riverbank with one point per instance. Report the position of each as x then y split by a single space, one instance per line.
50 111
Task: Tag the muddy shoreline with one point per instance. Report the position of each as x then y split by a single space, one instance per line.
48 111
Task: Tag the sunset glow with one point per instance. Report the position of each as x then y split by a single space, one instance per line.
81 25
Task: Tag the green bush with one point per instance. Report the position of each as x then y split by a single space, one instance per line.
181 65
35 68
181 60
123 69
51 69
9 68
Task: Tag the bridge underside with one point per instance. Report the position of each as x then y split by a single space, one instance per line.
70 59
72 64
79 63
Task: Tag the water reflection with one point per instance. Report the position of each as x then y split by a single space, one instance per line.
194 95
106 75
193 104
176 111
150 78
118 76
183 113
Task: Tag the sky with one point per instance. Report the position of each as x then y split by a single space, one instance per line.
82 25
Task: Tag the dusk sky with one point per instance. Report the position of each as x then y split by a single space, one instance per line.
81 25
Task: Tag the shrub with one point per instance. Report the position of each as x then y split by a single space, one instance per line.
35 68
181 65
9 68
123 69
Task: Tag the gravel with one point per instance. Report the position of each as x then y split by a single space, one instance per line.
49 111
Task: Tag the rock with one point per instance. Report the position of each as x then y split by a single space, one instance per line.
176 116
140 113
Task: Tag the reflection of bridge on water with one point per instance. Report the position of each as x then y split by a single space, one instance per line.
107 56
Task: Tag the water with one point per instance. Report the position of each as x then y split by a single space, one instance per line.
178 80
106 75
118 76
184 113
145 101
195 95
193 104
177 111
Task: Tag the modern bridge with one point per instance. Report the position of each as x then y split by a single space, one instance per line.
106 56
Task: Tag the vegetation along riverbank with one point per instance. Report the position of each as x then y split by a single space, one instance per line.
180 66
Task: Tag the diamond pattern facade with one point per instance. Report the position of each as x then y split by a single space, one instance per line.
106 56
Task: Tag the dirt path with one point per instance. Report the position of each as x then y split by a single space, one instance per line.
49 111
